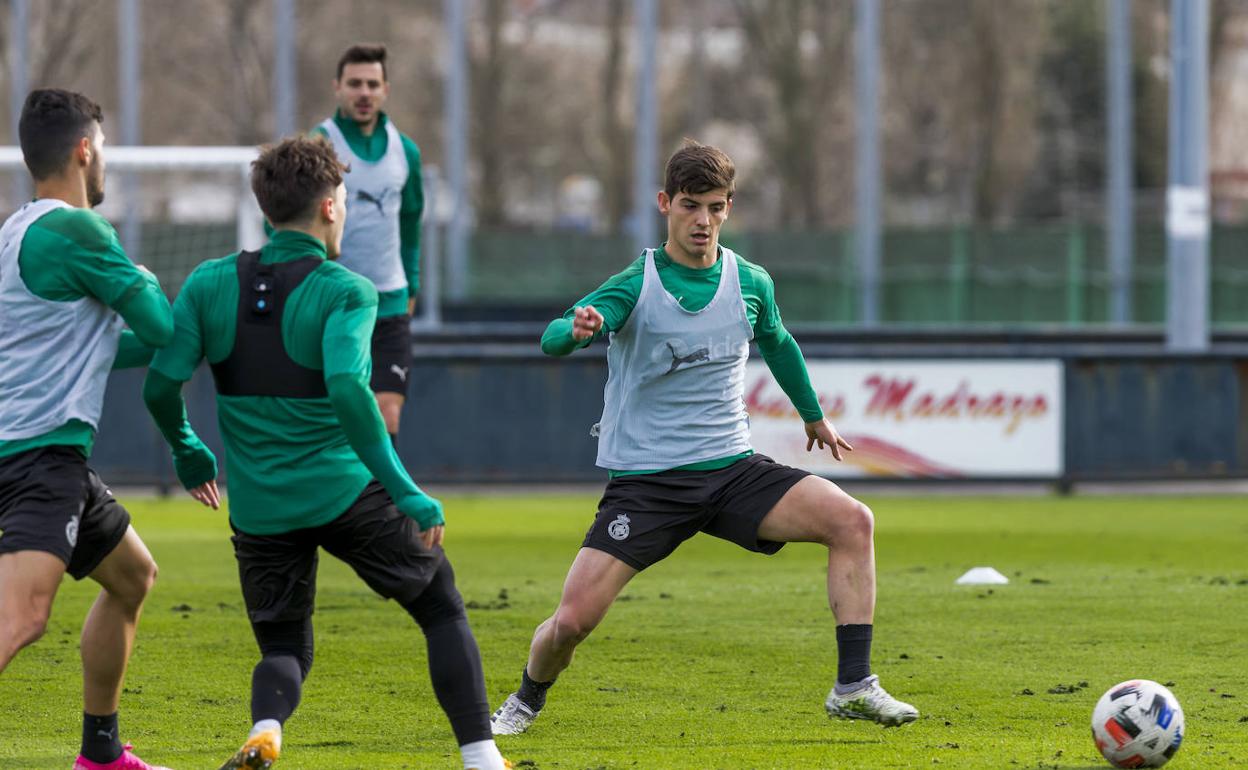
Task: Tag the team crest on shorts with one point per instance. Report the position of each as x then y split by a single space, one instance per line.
71 532
618 529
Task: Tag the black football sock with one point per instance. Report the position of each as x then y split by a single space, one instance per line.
454 660
533 693
276 686
99 738
853 651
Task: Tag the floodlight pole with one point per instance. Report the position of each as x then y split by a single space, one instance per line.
1120 207
1187 197
130 85
646 131
285 83
867 177
456 90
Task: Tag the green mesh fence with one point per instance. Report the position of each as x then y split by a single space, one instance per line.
1022 275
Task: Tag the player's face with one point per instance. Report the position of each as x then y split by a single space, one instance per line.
362 91
693 221
333 244
95 169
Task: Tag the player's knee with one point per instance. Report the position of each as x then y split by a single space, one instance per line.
571 627
139 581
26 628
861 522
849 525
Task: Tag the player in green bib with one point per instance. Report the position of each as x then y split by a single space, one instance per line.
66 290
385 201
674 438
286 331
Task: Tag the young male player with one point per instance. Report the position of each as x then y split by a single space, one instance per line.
385 200
674 437
286 332
66 287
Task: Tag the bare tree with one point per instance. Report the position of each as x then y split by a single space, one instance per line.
489 82
615 151
800 47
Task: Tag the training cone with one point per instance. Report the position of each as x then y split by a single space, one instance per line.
978 576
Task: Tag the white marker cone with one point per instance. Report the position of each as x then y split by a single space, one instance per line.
977 576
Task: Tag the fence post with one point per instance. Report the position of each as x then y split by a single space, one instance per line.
959 274
1075 258
849 274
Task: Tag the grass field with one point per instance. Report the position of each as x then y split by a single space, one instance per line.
716 658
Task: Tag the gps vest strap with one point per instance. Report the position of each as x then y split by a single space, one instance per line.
258 364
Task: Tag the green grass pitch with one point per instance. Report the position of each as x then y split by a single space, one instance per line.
715 658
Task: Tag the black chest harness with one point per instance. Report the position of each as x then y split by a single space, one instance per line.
258 364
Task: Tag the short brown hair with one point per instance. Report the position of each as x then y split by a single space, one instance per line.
53 121
697 168
291 177
364 53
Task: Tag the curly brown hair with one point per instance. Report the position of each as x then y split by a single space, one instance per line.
697 168
291 177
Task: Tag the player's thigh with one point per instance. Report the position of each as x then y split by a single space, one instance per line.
592 585
103 532
643 518
28 583
383 546
392 356
815 510
277 574
742 495
128 571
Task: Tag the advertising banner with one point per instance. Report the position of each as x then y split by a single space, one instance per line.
920 419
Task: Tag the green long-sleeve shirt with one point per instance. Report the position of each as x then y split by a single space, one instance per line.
294 462
72 253
694 288
372 148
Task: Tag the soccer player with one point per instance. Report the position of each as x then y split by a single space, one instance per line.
66 287
674 437
286 331
385 200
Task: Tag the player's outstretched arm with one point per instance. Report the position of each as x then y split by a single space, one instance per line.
193 462
564 335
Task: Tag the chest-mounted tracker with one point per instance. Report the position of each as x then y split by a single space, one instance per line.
258 364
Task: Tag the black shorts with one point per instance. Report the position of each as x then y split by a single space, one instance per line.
51 501
382 545
641 519
392 354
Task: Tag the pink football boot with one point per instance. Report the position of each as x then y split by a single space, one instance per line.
127 761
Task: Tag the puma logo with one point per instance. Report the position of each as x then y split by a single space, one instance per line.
107 734
367 197
401 371
701 354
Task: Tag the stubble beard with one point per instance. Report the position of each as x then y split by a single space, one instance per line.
95 185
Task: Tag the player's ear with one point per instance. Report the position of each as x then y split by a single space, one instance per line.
329 212
83 151
665 203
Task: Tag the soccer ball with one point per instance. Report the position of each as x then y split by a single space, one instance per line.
1137 724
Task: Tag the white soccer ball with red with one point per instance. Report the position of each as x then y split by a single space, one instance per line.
1137 724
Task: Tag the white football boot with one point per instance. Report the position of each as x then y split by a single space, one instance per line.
870 701
512 718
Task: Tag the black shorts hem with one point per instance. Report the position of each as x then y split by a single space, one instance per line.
618 554
102 553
